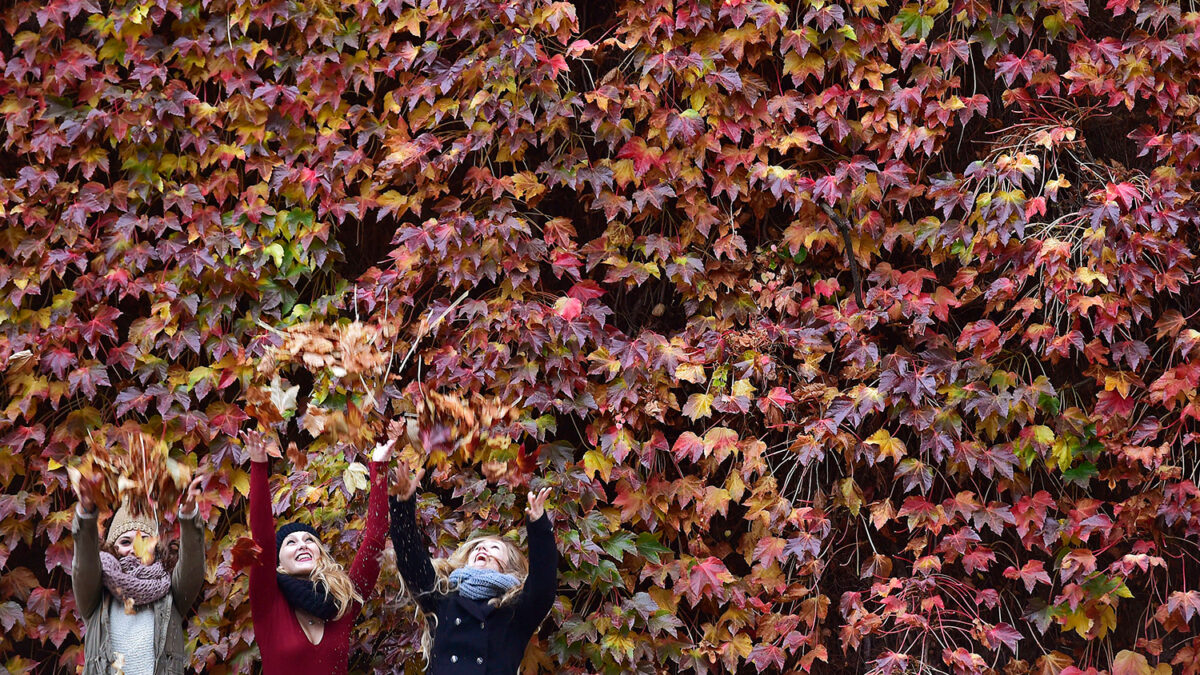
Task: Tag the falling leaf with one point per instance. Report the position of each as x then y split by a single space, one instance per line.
244 553
356 476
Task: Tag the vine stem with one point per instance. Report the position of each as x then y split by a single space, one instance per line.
844 227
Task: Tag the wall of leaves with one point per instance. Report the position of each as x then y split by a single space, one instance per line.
854 336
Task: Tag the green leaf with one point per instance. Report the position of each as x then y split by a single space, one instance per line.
619 544
650 548
913 23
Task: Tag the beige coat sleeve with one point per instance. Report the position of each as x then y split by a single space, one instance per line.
85 563
188 577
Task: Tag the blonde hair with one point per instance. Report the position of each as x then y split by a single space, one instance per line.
337 582
517 564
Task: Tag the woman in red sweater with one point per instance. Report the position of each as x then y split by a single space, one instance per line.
303 602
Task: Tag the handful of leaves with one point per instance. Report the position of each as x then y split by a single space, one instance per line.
133 469
347 358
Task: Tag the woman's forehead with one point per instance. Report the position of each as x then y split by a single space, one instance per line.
298 536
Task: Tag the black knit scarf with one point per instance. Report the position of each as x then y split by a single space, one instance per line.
308 596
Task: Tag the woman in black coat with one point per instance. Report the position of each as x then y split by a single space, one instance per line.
483 603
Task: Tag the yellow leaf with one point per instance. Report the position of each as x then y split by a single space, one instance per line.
53 465
1108 622
698 406
1063 451
736 486
1043 435
394 202
595 462
690 372
1078 622
742 644
276 253
143 547
240 480
850 495
1086 276
743 388
1118 382
525 185
1131 663
619 642
889 446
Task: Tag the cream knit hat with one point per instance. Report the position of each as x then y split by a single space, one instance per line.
123 521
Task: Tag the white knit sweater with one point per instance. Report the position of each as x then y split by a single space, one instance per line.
133 636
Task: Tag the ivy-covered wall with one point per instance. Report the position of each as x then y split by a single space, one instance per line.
853 336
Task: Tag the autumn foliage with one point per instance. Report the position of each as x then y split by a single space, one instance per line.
852 336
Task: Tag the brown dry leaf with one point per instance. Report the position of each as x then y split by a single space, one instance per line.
260 406
1052 663
180 474
298 459
494 471
345 349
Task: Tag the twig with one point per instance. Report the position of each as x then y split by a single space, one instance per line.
845 229
417 340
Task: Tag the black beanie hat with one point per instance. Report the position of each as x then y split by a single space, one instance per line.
284 531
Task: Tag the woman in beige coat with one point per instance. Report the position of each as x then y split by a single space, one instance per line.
133 613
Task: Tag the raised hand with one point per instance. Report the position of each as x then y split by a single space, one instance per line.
189 498
383 451
406 483
259 445
83 491
537 503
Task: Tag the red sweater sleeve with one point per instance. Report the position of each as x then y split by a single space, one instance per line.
262 522
365 570
262 529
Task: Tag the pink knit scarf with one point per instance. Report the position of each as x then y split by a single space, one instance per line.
128 579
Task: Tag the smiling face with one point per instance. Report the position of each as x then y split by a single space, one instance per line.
299 554
489 554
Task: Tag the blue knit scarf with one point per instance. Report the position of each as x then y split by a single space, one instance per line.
480 584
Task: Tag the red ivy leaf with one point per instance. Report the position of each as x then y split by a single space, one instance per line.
245 553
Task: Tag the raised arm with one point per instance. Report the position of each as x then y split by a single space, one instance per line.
365 570
537 597
188 577
85 563
412 553
262 522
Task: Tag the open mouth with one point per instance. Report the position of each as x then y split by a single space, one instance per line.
303 556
